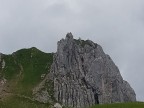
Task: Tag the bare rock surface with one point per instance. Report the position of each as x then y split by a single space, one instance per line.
83 75
57 105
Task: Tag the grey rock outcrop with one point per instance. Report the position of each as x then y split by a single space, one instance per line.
57 105
1 61
2 79
83 75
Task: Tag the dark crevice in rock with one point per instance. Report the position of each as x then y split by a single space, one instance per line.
96 98
82 59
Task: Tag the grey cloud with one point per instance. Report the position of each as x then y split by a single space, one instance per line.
117 25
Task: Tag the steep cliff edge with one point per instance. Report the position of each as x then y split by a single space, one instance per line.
83 75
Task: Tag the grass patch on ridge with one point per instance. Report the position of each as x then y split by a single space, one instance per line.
121 105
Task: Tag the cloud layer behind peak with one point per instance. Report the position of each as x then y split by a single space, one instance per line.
117 25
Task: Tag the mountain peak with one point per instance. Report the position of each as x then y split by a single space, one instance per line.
83 75
69 36
78 75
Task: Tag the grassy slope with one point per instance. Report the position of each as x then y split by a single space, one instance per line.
23 72
18 102
121 105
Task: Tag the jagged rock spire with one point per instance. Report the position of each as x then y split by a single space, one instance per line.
84 76
69 36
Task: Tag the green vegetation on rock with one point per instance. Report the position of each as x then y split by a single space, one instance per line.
23 71
81 42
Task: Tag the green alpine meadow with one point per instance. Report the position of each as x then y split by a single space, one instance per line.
22 72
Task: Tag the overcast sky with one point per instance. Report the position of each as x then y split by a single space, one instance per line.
117 25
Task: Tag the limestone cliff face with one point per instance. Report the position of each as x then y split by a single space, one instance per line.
2 79
84 75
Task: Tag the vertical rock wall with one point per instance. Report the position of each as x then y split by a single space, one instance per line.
84 75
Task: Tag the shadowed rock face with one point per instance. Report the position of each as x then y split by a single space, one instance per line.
84 75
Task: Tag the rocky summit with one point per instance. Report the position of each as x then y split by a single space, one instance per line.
83 75
78 75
